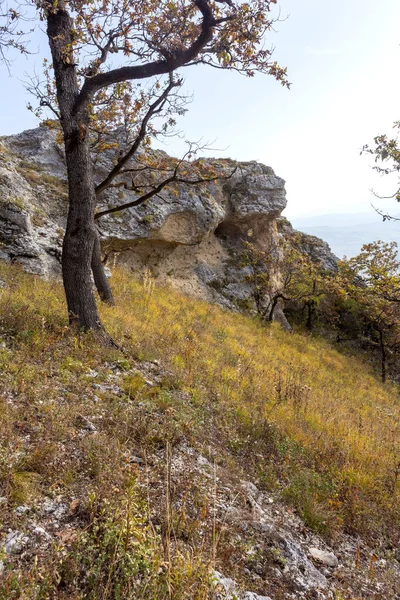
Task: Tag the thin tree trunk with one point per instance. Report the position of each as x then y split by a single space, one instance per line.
310 314
99 275
273 306
383 356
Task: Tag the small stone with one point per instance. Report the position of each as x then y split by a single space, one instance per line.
22 510
84 423
2 567
57 510
136 459
250 488
382 563
14 542
92 373
253 596
41 532
3 500
203 461
326 558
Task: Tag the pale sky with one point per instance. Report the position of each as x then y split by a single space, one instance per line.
343 60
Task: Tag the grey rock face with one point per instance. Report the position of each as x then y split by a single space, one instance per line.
255 191
192 237
40 147
318 250
297 565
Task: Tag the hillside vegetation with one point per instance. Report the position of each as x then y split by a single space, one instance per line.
314 427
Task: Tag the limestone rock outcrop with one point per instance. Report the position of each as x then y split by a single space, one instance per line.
192 236
318 250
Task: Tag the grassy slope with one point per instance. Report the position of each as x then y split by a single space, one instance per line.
304 421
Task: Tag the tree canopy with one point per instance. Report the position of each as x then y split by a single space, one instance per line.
373 280
386 152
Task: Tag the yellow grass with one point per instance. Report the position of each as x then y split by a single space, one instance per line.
332 406
295 415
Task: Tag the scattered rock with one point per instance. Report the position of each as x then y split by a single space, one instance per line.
2 567
253 596
92 373
224 586
40 532
136 459
109 388
15 542
326 558
84 423
202 460
228 589
299 567
22 510
56 509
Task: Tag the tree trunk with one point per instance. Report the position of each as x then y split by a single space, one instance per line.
80 238
99 276
310 314
273 306
81 234
383 356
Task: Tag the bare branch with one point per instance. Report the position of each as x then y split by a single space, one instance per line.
385 216
155 107
156 190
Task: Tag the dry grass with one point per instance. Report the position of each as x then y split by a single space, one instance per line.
331 420
314 426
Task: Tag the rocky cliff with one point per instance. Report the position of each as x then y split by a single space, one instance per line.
191 237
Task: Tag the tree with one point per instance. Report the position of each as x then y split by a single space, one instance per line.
10 35
373 281
286 274
386 152
155 39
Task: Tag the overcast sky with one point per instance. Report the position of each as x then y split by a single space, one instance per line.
343 61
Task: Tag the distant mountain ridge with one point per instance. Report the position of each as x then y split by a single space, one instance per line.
347 232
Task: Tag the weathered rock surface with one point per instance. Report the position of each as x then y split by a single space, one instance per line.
326 558
191 237
318 250
14 542
227 589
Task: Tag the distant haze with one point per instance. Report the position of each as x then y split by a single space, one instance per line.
346 233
